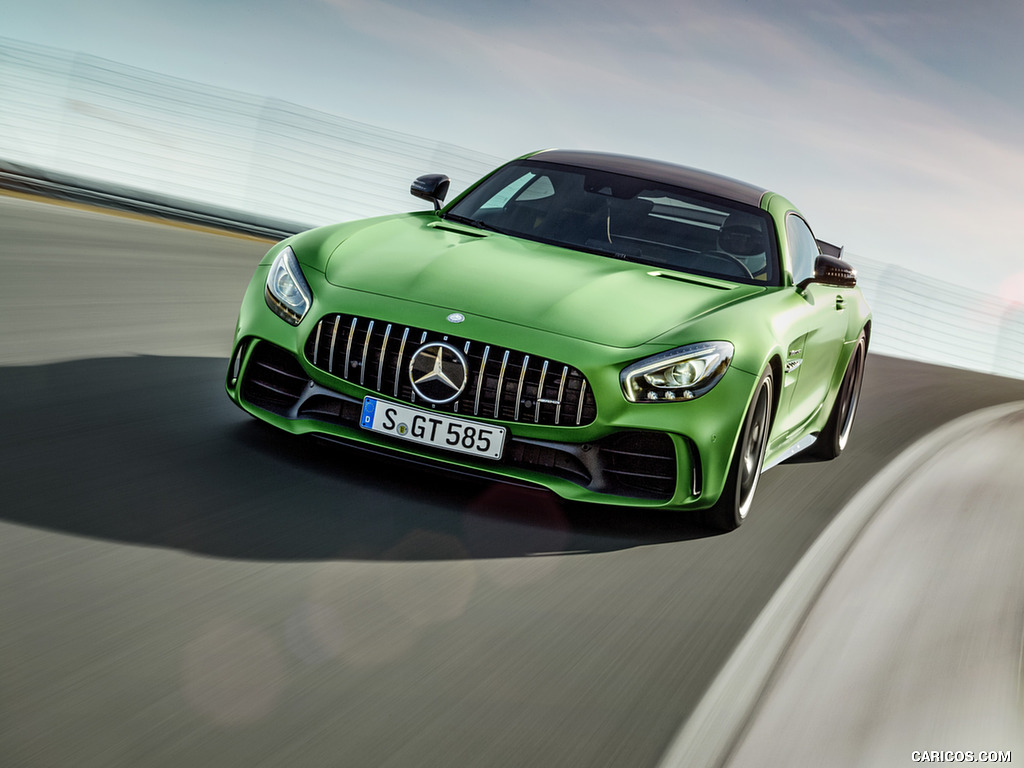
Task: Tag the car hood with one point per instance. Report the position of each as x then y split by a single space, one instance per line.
580 295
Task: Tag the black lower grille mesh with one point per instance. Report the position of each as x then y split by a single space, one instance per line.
640 464
504 384
273 380
549 460
332 410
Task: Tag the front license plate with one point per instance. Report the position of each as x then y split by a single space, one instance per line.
435 429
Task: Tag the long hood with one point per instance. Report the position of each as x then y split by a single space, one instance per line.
579 295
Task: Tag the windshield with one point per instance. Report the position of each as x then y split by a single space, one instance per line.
624 217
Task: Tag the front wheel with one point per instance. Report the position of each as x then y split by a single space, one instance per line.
745 469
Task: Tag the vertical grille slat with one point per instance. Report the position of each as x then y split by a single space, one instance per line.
398 362
540 392
519 390
503 384
469 375
334 339
412 392
383 353
480 380
348 346
561 392
500 388
366 349
316 346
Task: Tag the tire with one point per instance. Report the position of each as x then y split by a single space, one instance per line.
737 497
836 434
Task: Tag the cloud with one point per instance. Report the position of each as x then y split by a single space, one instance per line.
828 106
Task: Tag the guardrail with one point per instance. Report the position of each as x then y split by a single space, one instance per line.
22 178
138 139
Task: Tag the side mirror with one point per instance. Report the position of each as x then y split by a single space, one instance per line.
828 270
432 187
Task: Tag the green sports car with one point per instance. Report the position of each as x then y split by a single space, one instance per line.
615 329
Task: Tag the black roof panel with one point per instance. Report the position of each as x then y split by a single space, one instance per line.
656 170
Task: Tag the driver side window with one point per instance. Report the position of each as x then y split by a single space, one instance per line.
803 248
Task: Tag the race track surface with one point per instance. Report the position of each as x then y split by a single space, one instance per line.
182 586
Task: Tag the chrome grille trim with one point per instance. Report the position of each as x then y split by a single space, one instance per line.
465 349
480 380
316 347
502 383
334 339
519 389
540 392
383 354
423 340
366 349
561 391
398 362
348 347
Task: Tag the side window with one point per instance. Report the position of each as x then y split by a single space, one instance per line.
803 248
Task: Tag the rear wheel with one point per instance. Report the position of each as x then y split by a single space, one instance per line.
836 434
745 469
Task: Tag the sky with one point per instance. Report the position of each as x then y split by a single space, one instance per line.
895 127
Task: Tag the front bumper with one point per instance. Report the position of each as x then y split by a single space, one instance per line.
672 454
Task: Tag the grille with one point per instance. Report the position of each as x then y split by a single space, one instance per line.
641 464
558 460
504 384
273 380
333 410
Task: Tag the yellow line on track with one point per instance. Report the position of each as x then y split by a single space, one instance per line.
136 216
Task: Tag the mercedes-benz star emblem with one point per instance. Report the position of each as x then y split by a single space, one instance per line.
438 372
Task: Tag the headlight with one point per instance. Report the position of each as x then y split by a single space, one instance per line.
287 291
679 374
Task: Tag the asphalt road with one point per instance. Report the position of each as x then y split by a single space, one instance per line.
912 648
181 586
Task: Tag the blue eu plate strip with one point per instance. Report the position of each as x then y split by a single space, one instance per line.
369 405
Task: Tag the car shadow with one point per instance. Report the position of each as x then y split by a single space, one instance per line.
150 451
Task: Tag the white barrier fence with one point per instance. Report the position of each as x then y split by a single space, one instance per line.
921 318
92 118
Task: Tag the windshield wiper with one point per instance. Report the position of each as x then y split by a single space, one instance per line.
471 222
627 254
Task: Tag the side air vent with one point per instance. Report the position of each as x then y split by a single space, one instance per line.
639 464
273 380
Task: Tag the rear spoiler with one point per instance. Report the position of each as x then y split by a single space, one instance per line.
830 250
